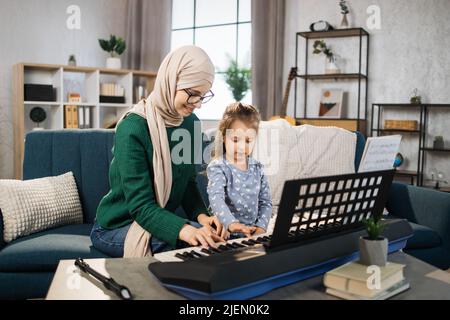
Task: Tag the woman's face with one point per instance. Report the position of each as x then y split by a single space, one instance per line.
181 104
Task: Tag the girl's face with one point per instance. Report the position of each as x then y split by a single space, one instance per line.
181 99
239 141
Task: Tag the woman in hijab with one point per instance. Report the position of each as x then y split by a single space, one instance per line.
137 216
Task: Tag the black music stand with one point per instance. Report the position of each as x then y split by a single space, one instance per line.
327 206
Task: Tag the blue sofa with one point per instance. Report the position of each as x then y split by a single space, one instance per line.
27 264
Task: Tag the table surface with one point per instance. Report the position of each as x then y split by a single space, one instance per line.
426 282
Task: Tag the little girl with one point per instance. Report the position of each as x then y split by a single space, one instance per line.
238 190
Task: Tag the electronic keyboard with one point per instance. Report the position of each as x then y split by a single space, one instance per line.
245 268
317 228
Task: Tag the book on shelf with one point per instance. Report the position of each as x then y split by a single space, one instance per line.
386 294
353 278
75 117
68 117
112 89
81 117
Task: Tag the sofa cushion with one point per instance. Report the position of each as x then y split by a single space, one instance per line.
42 251
87 153
423 238
35 205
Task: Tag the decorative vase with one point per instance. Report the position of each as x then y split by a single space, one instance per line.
344 21
373 252
438 142
331 67
113 63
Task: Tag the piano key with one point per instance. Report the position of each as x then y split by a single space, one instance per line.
247 243
215 250
223 248
238 245
195 253
180 256
252 241
207 251
189 255
261 239
231 246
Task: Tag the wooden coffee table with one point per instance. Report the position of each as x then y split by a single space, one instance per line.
426 282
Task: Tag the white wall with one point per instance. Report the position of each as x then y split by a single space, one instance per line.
35 31
410 50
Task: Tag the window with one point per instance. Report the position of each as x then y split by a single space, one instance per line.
223 29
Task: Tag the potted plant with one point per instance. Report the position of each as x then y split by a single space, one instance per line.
415 98
373 248
238 80
115 46
319 47
344 12
72 60
438 142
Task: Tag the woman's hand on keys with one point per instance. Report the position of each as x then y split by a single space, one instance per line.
199 236
214 225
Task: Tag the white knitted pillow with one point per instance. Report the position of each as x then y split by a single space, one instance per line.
34 205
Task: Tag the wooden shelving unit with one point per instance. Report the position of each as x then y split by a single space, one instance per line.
63 78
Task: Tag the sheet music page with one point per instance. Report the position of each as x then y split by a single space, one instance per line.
379 153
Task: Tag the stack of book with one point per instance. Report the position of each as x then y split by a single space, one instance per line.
112 92
354 281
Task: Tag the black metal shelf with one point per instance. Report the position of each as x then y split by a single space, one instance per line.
423 109
338 33
347 76
360 75
435 150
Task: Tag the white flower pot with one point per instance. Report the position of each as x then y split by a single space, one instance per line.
113 63
373 252
331 67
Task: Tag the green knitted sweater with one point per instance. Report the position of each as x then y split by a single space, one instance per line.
131 180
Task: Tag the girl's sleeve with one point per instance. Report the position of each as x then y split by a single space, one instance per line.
216 194
264 204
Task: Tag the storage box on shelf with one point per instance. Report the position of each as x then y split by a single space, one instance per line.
67 80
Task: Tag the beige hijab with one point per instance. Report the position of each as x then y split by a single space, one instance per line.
185 67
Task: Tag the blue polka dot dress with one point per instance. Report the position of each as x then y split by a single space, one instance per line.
239 196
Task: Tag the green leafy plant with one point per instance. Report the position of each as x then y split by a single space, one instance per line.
115 45
238 80
321 47
415 98
344 7
374 228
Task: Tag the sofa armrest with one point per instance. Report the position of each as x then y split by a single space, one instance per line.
423 206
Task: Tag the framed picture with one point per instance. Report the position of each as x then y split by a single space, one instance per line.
331 103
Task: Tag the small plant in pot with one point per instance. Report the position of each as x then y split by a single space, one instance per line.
319 47
373 248
115 46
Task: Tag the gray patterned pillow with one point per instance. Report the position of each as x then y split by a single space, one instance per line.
34 205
